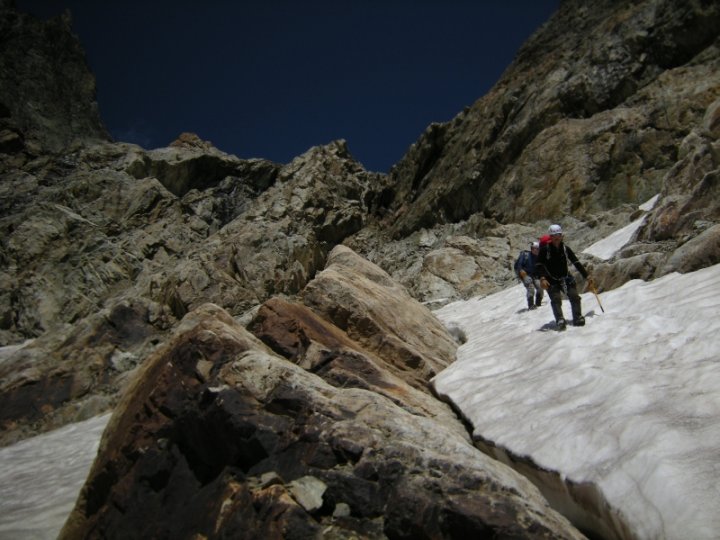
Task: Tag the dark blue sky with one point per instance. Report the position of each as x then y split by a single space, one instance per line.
271 78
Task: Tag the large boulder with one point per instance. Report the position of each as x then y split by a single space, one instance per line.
301 336
361 299
220 437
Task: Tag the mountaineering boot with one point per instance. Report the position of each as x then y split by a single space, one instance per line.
579 321
561 324
530 303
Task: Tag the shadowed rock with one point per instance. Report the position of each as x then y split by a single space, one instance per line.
191 163
219 437
48 92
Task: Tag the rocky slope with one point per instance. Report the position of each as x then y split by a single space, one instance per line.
604 107
326 430
111 255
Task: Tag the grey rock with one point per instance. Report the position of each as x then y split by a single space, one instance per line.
341 510
699 252
308 491
270 479
351 446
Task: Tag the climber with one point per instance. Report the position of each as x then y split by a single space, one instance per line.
552 267
526 272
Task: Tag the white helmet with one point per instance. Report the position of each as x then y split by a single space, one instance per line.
534 245
554 230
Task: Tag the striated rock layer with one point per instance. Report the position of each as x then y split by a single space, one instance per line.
220 436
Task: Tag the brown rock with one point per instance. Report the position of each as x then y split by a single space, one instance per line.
361 299
294 332
178 442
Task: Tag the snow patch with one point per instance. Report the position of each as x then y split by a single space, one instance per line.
607 247
629 403
40 479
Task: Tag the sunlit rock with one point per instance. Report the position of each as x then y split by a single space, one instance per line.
179 440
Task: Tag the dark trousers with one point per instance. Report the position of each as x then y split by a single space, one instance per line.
567 286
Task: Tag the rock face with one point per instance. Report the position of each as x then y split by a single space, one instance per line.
102 261
258 447
362 300
582 120
603 108
136 272
48 93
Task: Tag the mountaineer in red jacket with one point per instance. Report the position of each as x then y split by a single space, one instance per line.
552 266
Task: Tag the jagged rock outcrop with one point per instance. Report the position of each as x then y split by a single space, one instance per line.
48 93
260 448
604 107
283 238
189 163
582 121
100 265
680 233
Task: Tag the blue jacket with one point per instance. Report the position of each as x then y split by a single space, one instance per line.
526 261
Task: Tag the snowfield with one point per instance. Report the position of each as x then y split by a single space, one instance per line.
629 403
40 479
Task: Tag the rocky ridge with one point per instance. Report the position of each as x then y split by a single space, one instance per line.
110 251
310 434
36 57
603 108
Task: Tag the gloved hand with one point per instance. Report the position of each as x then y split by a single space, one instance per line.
523 274
544 283
590 282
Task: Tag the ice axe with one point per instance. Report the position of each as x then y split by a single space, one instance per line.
591 286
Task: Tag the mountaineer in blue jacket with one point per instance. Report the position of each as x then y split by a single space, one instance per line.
526 272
